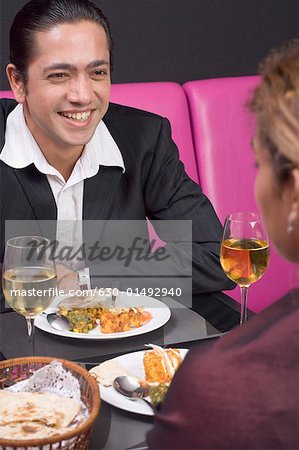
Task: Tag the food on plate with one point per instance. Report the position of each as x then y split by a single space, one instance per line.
110 320
82 312
81 320
107 371
161 364
84 302
157 393
27 415
115 320
151 368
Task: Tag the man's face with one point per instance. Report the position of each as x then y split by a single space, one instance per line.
68 87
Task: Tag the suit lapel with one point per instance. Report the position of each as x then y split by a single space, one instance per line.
99 192
38 192
40 197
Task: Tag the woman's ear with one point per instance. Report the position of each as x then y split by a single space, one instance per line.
293 218
16 83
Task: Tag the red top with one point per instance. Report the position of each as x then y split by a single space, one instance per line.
242 393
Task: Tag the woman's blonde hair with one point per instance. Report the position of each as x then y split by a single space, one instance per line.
276 105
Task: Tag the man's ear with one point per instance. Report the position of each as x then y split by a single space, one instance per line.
16 83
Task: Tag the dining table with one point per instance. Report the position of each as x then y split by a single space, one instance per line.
117 429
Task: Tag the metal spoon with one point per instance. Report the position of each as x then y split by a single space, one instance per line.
130 387
60 323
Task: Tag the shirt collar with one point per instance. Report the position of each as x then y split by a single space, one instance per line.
20 149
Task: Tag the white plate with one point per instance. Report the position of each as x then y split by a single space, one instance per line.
133 362
160 312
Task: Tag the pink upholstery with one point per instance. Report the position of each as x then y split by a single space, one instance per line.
223 128
168 100
6 94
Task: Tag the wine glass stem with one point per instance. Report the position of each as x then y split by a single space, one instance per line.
30 328
244 295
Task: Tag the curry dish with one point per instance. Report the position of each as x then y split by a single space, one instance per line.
110 320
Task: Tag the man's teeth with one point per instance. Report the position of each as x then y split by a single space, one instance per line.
78 116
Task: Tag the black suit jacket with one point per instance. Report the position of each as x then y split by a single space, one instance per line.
154 185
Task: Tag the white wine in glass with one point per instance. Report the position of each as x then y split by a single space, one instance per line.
244 253
28 277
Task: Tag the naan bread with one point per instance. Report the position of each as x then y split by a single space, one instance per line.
29 430
43 407
107 371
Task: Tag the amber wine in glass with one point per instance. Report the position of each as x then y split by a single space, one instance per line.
244 253
28 277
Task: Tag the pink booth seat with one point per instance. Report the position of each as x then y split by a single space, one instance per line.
164 98
168 100
6 94
223 128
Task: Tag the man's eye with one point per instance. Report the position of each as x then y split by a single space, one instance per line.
99 73
58 75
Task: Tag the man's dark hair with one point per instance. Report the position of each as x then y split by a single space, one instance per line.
42 15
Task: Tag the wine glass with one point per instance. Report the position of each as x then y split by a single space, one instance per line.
28 277
244 253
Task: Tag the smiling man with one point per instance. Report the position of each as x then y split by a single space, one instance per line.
70 155
64 90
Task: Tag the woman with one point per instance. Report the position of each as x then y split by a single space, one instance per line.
243 393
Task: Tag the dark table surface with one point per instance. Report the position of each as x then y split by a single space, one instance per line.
114 429
184 326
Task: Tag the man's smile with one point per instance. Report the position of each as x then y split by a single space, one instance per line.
81 116
77 117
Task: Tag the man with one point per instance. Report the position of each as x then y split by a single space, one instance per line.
67 154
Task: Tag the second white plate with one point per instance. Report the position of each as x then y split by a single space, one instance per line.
133 362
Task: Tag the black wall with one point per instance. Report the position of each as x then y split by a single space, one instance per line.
183 40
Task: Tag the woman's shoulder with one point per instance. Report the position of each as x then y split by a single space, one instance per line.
278 318
271 332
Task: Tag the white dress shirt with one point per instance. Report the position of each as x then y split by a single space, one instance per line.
20 150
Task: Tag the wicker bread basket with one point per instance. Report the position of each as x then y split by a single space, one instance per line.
14 370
